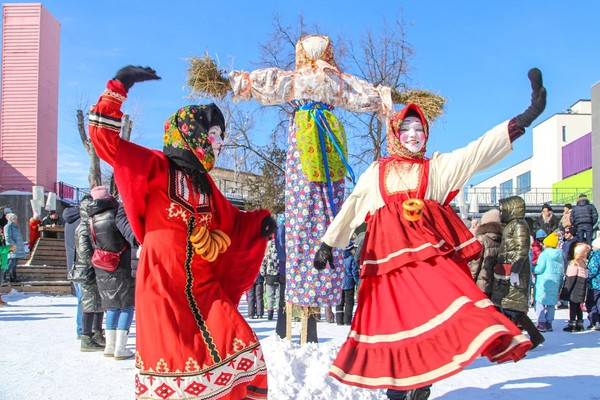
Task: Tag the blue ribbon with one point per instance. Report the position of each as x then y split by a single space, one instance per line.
315 110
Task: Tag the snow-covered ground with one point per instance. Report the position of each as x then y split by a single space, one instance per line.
40 359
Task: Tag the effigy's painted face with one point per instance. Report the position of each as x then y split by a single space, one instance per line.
412 134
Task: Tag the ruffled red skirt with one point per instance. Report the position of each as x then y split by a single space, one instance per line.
421 322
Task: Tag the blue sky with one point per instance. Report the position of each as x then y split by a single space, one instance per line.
475 53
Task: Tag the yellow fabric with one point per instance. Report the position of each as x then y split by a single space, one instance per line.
311 159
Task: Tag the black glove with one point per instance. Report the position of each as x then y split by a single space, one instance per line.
322 256
129 75
538 100
268 227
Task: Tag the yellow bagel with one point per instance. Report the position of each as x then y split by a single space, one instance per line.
413 209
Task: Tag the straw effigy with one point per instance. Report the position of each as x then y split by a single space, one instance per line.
205 78
431 104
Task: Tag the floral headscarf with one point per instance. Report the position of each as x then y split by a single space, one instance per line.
306 56
186 139
395 147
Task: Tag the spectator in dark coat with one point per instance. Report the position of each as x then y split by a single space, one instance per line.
280 328
72 218
116 288
511 295
270 270
489 234
127 232
91 306
256 304
53 219
547 221
569 240
584 217
359 240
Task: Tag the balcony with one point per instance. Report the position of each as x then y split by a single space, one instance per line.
534 198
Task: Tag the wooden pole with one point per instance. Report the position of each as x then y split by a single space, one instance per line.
304 326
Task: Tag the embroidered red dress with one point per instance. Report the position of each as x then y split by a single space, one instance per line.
191 341
420 317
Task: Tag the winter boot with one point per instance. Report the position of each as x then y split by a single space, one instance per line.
339 317
88 344
419 394
109 347
534 334
570 326
393 394
121 352
270 315
99 338
579 326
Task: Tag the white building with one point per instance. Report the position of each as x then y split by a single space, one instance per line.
534 177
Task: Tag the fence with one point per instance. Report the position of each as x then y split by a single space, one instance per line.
241 192
559 196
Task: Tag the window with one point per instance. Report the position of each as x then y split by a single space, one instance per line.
524 182
506 189
494 195
564 133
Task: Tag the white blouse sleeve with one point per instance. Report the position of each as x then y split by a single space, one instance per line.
451 171
364 198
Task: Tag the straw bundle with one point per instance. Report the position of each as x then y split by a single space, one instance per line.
205 78
431 104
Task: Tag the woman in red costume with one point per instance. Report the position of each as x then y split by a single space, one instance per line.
420 316
199 254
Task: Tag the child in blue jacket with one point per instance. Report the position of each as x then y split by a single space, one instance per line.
346 307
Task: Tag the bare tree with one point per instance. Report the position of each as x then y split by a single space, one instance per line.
270 183
382 59
96 175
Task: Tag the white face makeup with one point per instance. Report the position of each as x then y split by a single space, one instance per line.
412 135
215 139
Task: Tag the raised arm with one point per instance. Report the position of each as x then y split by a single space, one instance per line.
451 171
105 117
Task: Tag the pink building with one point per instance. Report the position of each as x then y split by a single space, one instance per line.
29 97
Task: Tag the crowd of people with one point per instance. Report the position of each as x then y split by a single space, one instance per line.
11 236
564 265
